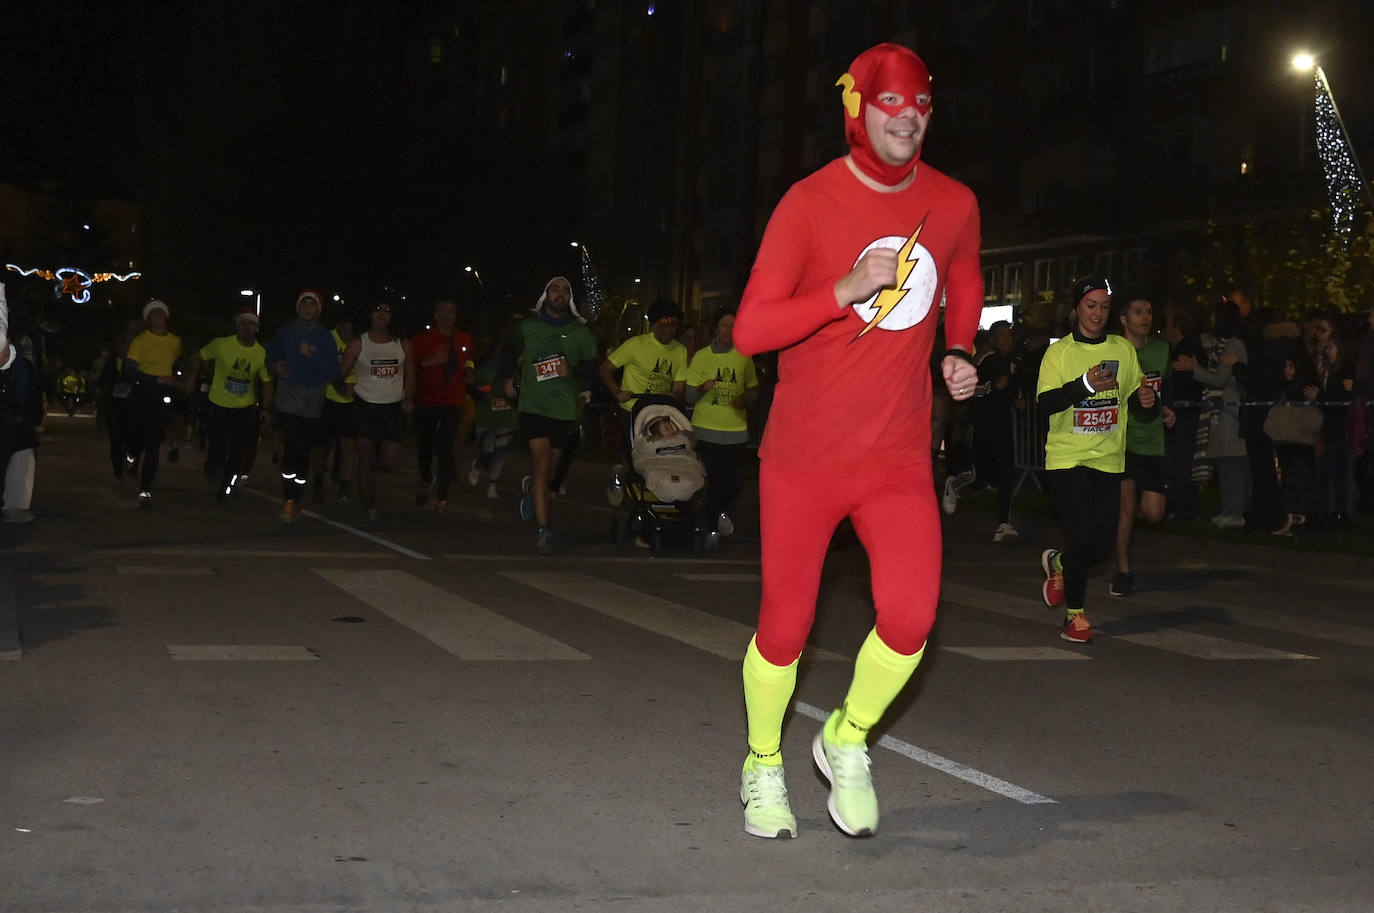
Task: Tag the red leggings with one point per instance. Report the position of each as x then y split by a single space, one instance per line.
898 522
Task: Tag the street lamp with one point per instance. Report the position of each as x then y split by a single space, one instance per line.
257 299
475 274
1307 63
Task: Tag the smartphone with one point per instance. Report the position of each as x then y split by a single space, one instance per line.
1110 367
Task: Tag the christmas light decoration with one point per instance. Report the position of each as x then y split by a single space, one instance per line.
1345 183
593 296
72 281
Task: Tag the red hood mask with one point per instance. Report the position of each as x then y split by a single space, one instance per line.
885 68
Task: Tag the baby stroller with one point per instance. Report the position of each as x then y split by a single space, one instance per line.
658 497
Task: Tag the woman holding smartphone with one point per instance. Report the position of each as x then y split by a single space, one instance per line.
1090 382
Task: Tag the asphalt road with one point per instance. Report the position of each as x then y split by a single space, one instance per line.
202 709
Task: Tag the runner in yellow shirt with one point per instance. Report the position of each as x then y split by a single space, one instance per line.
720 384
652 362
1090 385
240 369
150 367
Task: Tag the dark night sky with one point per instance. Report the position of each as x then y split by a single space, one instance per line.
266 145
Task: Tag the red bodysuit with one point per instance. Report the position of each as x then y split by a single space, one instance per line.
849 429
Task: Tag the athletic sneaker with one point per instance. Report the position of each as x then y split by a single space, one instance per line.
543 541
1121 585
954 484
16 515
1225 521
724 525
1077 630
763 790
853 804
562 491
1052 561
527 498
421 494
441 507
474 475
288 511
145 499
491 491
372 516
1005 534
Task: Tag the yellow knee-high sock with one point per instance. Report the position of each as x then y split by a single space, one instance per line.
880 673
767 692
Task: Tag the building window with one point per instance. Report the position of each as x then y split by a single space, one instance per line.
1011 283
1105 263
436 50
1133 265
1044 277
1071 268
992 285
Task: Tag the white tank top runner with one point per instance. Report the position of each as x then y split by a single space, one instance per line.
381 371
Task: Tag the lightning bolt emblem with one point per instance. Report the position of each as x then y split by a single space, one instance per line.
851 99
889 298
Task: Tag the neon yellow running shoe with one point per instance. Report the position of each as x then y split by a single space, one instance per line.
853 804
763 791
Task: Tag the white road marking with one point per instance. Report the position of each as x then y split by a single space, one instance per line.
944 765
1018 654
163 570
230 553
351 530
576 559
720 636
463 628
240 653
11 656
723 578
1199 646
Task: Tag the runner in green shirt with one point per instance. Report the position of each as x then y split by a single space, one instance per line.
558 354
1089 384
1144 479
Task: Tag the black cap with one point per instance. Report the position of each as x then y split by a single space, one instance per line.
1089 284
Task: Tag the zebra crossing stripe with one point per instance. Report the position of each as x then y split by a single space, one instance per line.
720 636
463 628
1198 646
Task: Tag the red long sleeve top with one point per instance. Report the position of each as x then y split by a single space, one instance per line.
853 387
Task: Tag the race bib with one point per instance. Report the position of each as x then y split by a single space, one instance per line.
1154 381
236 386
499 404
1096 416
546 367
386 367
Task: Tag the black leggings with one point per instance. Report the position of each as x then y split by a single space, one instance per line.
436 429
724 464
1088 502
298 435
147 427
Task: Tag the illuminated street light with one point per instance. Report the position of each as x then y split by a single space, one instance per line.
1340 164
476 275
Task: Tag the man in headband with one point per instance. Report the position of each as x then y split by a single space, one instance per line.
847 285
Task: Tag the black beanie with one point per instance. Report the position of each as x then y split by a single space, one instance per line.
1089 284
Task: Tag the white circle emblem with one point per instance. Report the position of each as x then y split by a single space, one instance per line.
908 304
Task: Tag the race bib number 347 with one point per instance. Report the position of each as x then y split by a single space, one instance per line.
546 368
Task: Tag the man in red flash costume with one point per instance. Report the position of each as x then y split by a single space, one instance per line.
847 285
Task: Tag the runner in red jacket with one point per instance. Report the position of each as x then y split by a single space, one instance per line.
848 285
